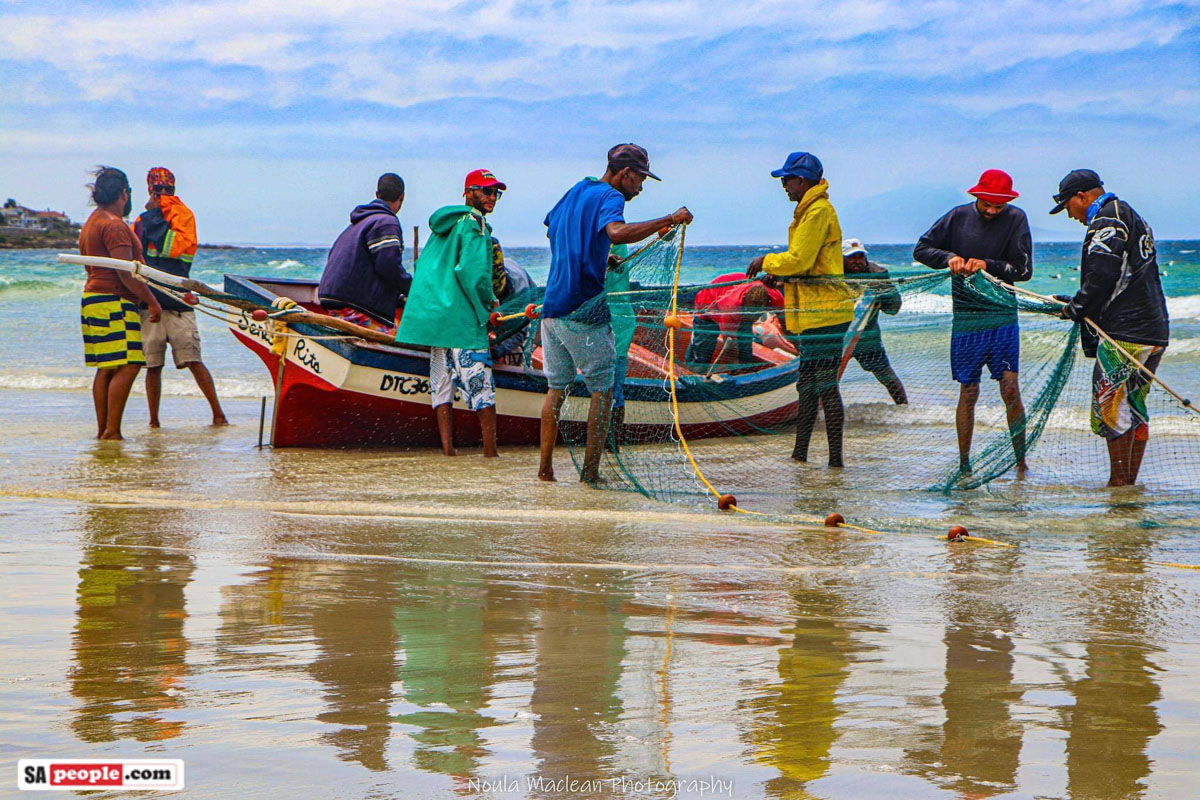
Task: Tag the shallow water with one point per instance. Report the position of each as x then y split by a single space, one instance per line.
388 624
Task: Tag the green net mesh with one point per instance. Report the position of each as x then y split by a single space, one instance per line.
740 381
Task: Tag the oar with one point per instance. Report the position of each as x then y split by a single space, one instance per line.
149 274
1186 403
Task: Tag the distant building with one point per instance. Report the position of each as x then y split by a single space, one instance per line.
16 218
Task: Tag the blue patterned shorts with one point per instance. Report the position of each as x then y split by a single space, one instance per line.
468 372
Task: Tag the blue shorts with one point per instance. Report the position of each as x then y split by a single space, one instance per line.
570 346
999 348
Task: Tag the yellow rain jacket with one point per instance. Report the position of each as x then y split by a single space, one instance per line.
814 248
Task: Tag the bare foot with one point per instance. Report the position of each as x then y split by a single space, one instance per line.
111 436
547 475
592 479
217 422
154 424
491 455
1022 470
450 452
836 464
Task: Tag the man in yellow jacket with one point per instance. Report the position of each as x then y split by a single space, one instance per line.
819 304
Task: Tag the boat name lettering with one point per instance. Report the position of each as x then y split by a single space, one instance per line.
404 384
253 328
306 357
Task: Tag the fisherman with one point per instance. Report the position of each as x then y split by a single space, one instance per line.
453 299
364 280
992 235
1120 291
112 328
730 309
869 352
577 334
167 233
819 310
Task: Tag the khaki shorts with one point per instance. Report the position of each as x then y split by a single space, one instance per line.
177 328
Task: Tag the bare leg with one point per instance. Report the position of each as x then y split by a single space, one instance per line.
1125 459
597 434
1135 457
118 392
550 408
153 393
1010 392
617 429
487 424
100 397
964 421
445 423
208 388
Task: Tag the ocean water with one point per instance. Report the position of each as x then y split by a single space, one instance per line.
40 346
376 623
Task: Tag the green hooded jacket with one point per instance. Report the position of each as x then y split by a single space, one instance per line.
451 296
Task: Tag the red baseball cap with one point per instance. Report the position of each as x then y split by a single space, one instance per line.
995 186
481 179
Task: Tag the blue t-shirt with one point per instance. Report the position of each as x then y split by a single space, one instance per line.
579 246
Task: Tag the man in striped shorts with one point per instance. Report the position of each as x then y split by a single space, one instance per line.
112 329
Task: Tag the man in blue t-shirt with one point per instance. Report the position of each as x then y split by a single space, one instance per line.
576 332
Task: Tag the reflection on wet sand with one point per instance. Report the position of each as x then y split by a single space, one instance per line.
980 746
792 723
129 647
580 640
1114 716
458 643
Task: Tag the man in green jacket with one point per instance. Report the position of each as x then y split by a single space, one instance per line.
449 305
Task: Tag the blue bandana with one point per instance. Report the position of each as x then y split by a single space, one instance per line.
1098 204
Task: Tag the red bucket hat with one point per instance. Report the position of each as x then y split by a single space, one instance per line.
481 179
995 186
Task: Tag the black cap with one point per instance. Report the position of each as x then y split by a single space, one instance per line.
632 156
1076 181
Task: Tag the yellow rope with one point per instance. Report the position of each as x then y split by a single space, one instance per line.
683 439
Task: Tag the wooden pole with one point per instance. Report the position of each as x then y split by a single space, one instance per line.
416 245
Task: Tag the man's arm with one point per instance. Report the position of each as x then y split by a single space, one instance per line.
932 248
1103 251
1017 264
386 247
119 242
801 256
631 232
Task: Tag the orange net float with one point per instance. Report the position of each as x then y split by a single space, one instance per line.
726 502
672 321
833 520
664 230
531 311
494 318
190 299
957 534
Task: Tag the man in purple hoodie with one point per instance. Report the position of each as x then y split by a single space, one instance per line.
364 279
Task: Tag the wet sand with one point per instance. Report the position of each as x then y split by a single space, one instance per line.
384 624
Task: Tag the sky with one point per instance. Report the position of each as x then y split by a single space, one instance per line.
277 116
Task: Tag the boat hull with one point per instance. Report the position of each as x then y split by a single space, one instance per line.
338 392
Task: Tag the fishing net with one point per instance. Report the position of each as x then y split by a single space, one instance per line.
739 386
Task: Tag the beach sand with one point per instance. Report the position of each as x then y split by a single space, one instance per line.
396 624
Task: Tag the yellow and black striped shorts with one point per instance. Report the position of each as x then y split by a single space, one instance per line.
112 331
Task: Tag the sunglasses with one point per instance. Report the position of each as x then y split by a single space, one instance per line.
489 191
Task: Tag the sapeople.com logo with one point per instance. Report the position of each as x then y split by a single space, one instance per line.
146 774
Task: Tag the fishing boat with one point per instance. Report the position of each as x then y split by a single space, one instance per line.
336 390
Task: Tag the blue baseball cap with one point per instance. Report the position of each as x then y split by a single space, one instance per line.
802 165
